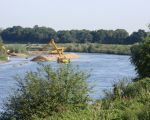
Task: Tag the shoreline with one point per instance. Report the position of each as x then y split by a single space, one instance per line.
38 53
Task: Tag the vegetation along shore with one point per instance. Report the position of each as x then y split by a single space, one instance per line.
62 93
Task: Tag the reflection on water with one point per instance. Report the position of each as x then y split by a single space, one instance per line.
104 70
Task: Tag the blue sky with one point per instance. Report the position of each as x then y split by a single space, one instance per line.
76 14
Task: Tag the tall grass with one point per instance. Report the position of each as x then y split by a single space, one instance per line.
75 47
98 48
17 48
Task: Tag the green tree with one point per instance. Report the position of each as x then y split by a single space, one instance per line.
119 36
64 36
140 57
136 37
84 36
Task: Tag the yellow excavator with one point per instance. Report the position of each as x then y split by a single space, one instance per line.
60 51
55 48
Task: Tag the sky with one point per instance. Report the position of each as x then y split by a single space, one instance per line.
76 14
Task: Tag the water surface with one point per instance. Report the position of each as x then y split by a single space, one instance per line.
105 69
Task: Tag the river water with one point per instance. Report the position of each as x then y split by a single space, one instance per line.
105 69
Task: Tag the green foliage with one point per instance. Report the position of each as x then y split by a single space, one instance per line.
140 57
98 48
129 106
136 37
18 34
140 88
48 91
126 89
132 104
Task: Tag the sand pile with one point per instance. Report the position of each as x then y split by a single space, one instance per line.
52 57
71 55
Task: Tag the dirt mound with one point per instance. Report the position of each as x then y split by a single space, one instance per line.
40 58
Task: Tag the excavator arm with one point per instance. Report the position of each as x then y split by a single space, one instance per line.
60 51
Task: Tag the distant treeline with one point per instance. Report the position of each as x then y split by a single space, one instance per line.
18 34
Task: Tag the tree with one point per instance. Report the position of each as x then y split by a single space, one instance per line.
136 37
64 36
99 36
119 36
84 36
140 57
18 34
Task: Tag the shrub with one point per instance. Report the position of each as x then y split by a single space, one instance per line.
139 88
140 58
48 91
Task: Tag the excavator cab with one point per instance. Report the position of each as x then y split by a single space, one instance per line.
63 60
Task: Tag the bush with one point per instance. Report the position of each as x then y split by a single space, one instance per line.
131 104
139 88
140 58
48 91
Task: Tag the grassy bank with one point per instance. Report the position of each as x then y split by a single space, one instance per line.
75 47
131 104
17 48
98 48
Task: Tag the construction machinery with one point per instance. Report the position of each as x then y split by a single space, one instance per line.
57 53
54 51
60 51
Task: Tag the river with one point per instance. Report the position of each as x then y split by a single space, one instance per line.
105 69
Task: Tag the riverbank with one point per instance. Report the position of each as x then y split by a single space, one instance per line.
77 47
98 48
132 105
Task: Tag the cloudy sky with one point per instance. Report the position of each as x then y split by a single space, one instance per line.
76 14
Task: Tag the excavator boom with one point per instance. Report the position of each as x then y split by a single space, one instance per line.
60 51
